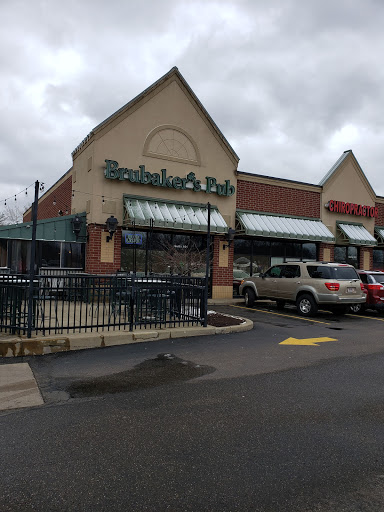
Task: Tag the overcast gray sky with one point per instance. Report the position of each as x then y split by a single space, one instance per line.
290 83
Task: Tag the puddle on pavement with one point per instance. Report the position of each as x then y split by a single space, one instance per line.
336 328
164 369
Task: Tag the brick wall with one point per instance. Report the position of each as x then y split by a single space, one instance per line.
93 265
323 246
63 197
277 199
380 218
221 276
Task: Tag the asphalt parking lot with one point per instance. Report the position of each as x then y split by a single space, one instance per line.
363 331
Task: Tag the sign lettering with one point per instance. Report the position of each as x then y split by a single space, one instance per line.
132 238
352 208
114 172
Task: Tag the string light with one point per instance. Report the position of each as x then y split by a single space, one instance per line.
25 191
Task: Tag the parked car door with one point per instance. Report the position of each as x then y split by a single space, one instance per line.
290 280
267 282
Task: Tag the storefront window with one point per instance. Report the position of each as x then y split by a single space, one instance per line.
72 255
309 252
347 254
50 254
20 255
133 251
242 256
261 256
3 253
378 259
255 256
277 252
293 251
163 253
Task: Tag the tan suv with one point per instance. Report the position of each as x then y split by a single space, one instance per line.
309 285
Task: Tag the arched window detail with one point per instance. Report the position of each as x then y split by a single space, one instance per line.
171 143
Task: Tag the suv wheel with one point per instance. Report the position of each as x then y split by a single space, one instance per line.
250 297
356 308
306 306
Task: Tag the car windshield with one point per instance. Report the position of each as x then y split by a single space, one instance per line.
323 272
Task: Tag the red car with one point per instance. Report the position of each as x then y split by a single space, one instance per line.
373 281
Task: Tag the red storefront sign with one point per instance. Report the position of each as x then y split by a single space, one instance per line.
352 208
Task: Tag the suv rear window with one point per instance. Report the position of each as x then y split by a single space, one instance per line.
323 272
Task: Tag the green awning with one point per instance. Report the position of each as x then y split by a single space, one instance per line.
273 226
357 234
380 234
164 214
59 229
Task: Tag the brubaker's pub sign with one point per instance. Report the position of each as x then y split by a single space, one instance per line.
162 179
351 208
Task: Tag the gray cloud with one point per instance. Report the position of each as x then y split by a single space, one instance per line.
291 84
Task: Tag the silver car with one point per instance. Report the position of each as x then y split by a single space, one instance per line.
309 285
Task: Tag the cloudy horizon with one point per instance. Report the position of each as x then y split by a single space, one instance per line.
290 84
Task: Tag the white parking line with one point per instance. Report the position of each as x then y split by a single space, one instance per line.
282 314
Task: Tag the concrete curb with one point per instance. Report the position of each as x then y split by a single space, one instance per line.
18 347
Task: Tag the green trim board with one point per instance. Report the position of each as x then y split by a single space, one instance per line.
276 226
57 229
172 215
356 234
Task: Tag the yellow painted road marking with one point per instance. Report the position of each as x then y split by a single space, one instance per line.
368 317
282 314
306 341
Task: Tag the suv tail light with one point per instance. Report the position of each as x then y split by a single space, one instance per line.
333 287
375 287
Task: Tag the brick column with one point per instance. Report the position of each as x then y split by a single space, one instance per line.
102 257
326 252
222 271
366 258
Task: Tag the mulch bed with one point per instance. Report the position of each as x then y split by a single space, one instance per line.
220 320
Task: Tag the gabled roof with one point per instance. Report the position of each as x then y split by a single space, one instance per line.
333 170
174 72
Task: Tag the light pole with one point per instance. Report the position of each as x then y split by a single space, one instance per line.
32 260
207 263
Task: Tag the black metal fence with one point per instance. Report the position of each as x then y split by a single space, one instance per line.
72 303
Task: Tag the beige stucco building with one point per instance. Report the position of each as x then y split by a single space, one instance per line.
156 163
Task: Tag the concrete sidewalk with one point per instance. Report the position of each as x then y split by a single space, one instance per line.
18 387
15 346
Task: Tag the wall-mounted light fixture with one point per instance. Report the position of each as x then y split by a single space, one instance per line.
111 223
76 225
230 237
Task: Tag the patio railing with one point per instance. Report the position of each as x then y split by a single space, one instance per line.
79 302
